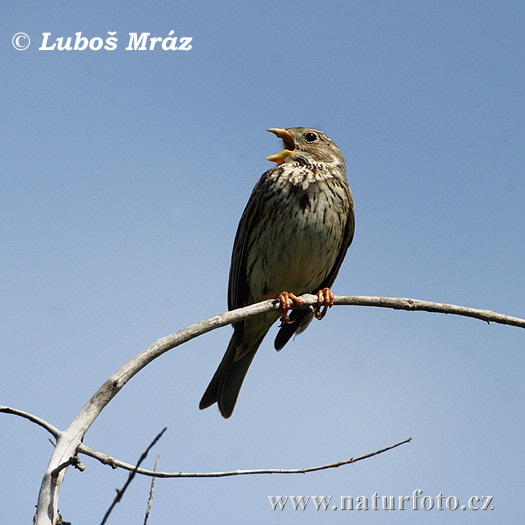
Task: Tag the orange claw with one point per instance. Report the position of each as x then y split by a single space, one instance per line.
286 303
325 299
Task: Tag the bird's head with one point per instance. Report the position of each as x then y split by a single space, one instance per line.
307 144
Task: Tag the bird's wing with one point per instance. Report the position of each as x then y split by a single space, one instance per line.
238 288
347 240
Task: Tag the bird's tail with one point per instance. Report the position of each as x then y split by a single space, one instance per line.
299 320
227 381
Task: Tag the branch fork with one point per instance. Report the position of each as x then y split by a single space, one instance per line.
69 442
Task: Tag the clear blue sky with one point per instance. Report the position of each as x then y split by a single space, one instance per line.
123 177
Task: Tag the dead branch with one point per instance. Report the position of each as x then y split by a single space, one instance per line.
69 441
223 474
120 493
151 490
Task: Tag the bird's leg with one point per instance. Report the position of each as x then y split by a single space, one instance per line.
286 299
325 299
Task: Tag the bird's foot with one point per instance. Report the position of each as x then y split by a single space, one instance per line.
325 300
286 299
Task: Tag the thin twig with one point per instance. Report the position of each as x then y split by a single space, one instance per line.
121 492
74 460
150 499
94 454
134 469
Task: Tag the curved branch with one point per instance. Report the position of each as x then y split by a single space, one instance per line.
156 474
35 419
69 441
404 303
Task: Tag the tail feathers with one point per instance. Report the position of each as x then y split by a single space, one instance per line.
299 320
227 381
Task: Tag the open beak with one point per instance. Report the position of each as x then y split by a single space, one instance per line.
289 145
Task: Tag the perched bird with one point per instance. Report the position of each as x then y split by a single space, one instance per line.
292 239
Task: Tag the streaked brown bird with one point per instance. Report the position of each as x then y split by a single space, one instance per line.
292 239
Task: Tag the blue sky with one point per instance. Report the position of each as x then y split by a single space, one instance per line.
124 175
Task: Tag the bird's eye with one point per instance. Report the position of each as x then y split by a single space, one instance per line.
311 137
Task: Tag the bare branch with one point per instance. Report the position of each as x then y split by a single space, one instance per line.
121 492
150 499
403 303
68 442
35 419
155 474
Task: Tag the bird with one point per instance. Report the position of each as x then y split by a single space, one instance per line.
292 238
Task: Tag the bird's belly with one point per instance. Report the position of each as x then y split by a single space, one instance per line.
297 255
